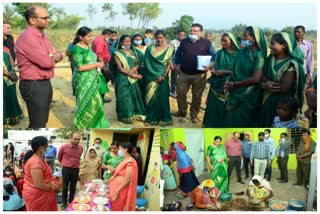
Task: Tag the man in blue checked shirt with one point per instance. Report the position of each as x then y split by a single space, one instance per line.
50 155
246 151
260 155
270 142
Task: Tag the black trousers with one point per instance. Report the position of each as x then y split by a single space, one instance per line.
246 164
69 183
303 173
173 80
268 172
283 167
38 96
235 162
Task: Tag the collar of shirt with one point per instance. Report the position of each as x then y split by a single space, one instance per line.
36 31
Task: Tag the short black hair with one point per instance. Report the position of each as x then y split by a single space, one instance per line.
180 31
127 145
217 137
306 131
208 34
284 134
292 104
114 32
98 138
106 31
148 31
197 25
160 32
30 13
267 130
300 27
260 134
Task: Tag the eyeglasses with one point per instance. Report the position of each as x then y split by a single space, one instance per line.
43 18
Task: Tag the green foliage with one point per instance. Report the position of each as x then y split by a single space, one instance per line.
65 133
183 23
14 14
288 29
238 30
142 12
20 8
108 9
91 10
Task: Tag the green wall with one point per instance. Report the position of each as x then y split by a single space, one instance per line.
177 134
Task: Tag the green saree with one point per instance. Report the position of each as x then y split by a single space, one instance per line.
12 112
89 111
157 94
110 161
243 102
129 103
215 110
220 172
274 71
140 54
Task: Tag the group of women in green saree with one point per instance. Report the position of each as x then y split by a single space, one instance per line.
140 78
247 82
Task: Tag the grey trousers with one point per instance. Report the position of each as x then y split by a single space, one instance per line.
38 96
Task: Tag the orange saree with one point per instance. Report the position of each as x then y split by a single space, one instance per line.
126 200
36 199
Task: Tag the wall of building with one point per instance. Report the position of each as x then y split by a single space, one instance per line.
177 134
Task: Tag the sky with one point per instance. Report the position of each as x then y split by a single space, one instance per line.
212 15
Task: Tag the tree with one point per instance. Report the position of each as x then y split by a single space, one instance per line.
91 11
288 29
143 12
20 8
130 9
65 133
238 30
183 23
108 8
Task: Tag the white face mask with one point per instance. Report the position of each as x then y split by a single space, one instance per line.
283 140
120 153
266 135
97 146
8 173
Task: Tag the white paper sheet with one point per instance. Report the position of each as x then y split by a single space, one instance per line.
203 61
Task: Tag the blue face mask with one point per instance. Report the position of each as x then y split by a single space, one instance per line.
120 153
246 43
137 42
193 37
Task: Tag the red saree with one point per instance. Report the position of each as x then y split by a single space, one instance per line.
126 200
34 198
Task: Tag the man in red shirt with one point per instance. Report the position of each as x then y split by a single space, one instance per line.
69 157
233 148
100 47
36 58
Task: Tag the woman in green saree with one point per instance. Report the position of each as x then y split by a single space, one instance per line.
129 103
12 112
110 161
157 66
89 104
139 48
223 65
244 99
283 75
217 163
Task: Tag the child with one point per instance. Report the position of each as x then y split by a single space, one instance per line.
287 110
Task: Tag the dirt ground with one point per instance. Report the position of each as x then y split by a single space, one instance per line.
63 105
281 191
